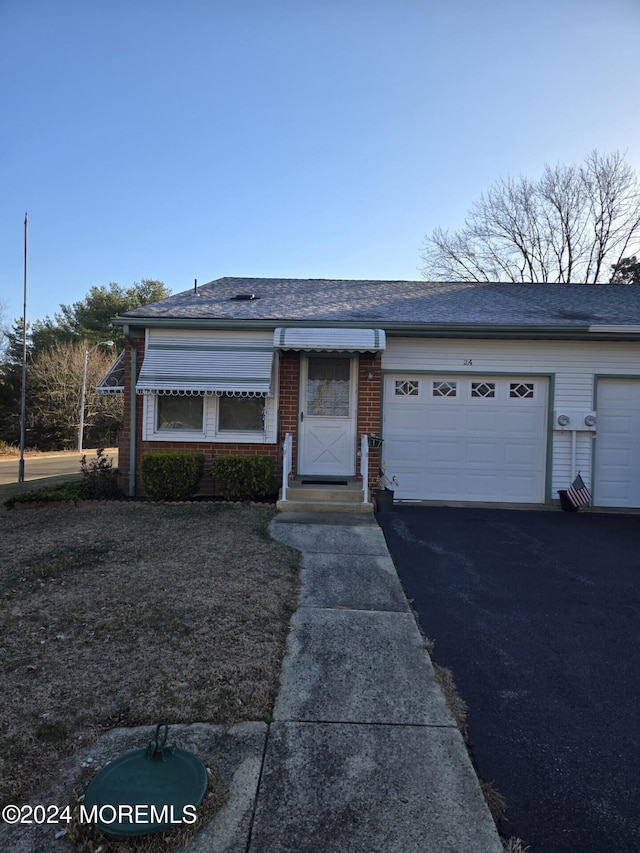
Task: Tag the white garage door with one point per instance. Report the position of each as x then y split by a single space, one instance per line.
617 468
466 438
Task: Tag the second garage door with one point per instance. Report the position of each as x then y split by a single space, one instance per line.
617 471
466 438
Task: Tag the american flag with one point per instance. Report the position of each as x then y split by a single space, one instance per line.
577 493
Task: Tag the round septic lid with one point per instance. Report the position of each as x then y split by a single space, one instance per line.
146 790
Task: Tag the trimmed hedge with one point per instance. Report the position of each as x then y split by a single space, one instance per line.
171 475
237 477
74 491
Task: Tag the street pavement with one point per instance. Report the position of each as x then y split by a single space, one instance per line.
42 465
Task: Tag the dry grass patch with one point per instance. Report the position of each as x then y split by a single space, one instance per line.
132 614
457 705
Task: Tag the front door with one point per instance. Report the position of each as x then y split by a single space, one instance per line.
327 421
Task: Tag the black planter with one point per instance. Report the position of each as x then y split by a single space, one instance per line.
565 503
384 500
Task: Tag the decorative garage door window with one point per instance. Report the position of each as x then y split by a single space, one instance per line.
328 387
483 389
406 388
444 389
521 390
180 412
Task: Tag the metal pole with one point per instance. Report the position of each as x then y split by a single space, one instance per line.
82 396
23 399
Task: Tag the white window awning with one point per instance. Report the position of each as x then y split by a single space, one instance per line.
113 381
174 365
329 340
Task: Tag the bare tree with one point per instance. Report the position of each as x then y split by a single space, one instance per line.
55 380
572 225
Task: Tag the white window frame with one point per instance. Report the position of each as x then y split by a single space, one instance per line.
210 432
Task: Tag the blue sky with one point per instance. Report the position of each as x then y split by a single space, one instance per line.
294 138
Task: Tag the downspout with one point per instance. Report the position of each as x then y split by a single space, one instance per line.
132 411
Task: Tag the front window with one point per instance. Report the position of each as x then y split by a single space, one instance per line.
241 414
179 413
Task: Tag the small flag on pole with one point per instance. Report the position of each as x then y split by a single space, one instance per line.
577 493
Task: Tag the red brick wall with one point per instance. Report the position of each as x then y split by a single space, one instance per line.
289 403
369 408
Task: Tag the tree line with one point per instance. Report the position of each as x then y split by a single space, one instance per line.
56 350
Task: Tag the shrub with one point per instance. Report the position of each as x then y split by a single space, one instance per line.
100 477
171 475
241 478
75 491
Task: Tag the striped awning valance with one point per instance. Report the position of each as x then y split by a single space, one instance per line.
329 340
206 365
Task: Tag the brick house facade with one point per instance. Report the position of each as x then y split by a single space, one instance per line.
482 392
288 411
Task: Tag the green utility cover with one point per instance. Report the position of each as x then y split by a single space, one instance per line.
159 782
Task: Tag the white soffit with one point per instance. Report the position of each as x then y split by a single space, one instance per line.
329 340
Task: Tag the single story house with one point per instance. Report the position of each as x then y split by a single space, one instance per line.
480 392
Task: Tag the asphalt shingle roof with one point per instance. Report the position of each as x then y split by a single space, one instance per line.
388 303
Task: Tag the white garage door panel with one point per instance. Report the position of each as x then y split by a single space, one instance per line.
478 485
463 447
439 452
447 483
523 454
615 457
405 421
479 421
522 423
615 425
617 466
482 452
405 452
444 420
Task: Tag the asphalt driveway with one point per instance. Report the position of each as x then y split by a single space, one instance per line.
538 616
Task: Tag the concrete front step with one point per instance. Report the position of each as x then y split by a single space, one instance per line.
351 493
324 497
323 506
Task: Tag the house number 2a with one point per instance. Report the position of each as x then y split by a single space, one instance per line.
468 362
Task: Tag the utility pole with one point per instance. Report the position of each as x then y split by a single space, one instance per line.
23 398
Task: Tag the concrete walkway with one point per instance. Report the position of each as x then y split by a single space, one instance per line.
363 754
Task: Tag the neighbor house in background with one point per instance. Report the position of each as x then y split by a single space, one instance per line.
481 392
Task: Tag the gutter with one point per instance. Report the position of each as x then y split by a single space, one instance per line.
485 331
132 410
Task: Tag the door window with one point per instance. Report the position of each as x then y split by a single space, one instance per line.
328 387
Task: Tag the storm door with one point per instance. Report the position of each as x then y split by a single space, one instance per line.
327 419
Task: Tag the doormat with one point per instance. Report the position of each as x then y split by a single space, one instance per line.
324 483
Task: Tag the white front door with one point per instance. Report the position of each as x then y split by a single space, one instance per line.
327 420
